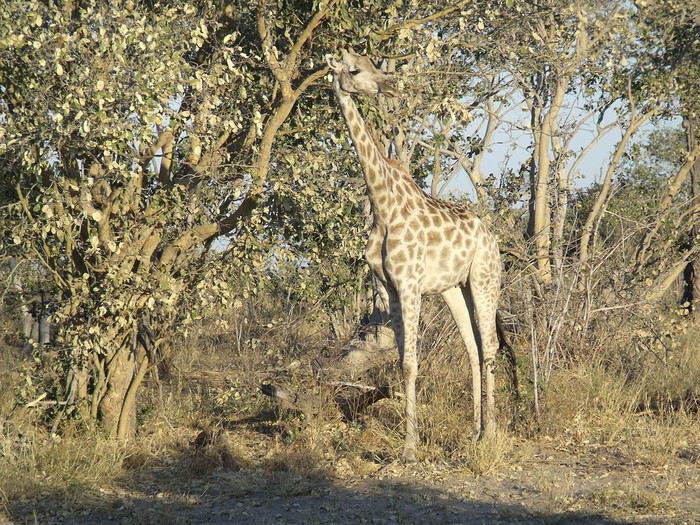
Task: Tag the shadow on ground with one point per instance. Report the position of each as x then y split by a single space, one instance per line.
251 497
207 483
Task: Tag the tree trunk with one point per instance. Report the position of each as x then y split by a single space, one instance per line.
119 371
44 325
559 220
109 386
541 227
24 313
692 273
535 112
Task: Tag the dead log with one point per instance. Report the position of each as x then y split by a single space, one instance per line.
357 360
309 404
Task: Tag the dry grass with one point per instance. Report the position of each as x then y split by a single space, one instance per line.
206 415
487 455
34 463
639 499
647 418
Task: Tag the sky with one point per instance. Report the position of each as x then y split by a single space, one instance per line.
510 143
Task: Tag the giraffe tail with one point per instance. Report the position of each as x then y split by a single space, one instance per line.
506 348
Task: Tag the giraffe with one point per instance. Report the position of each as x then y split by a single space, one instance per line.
419 245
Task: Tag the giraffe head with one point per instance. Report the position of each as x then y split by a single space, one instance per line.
357 74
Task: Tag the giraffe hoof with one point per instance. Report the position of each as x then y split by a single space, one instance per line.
409 457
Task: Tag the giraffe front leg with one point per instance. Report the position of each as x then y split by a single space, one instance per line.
406 306
382 318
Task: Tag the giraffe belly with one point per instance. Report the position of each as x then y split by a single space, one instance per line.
432 272
444 272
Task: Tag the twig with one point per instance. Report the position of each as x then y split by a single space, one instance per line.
39 401
617 307
36 401
359 386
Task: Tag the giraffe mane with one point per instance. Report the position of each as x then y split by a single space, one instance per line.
378 144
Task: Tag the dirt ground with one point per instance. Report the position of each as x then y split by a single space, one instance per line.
540 483
268 479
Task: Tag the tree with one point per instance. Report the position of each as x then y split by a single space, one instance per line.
679 52
138 134
670 31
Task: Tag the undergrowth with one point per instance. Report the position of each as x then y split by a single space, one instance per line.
204 412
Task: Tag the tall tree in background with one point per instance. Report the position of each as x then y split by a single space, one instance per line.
671 31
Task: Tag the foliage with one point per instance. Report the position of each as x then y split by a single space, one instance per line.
161 162
135 135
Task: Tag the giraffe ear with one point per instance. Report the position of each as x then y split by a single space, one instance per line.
331 61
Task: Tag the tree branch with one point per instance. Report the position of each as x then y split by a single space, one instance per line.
635 124
674 187
409 24
291 63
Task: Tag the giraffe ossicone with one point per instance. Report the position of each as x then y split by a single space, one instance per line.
419 245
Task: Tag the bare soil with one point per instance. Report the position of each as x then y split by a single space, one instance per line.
541 483
263 466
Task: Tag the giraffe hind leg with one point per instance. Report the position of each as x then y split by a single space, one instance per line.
484 294
457 304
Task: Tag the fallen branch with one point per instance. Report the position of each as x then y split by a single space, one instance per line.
39 402
340 372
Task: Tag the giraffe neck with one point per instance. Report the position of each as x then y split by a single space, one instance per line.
379 175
